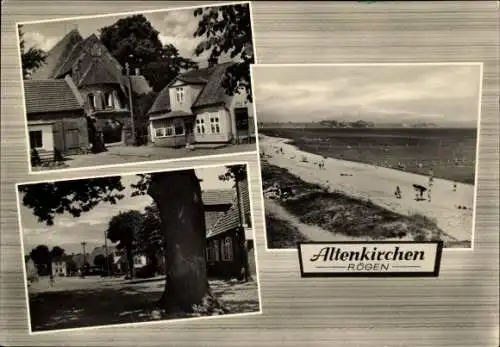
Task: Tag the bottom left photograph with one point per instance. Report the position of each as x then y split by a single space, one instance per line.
136 248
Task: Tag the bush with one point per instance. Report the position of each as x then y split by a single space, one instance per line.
58 157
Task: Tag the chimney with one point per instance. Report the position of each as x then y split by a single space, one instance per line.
137 71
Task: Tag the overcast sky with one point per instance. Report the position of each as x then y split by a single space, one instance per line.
442 94
175 27
68 232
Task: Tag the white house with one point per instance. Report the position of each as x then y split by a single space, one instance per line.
195 108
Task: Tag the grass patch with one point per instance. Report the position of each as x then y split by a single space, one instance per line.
282 234
340 213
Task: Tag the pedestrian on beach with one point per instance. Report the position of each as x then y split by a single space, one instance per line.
454 186
398 192
429 195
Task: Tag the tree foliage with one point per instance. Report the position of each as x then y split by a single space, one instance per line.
124 229
76 196
100 261
57 253
40 255
236 173
135 41
227 30
31 58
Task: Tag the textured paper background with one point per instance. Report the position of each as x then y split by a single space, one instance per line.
460 308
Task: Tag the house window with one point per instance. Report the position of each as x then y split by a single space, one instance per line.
179 129
216 250
179 95
200 126
36 139
165 128
109 100
215 125
227 249
92 101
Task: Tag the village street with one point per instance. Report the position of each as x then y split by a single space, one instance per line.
115 300
129 154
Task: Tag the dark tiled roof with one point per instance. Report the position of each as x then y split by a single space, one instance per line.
213 92
98 72
231 219
172 114
162 102
49 96
139 84
218 197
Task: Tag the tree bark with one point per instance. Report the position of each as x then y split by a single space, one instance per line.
178 197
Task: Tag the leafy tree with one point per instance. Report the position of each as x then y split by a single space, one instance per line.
227 30
177 195
238 174
100 261
57 253
149 238
71 266
42 258
133 40
142 104
123 228
31 59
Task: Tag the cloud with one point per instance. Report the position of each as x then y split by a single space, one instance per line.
38 40
445 93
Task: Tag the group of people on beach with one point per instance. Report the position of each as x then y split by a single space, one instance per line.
419 190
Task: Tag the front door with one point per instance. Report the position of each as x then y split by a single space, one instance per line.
189 131
242 128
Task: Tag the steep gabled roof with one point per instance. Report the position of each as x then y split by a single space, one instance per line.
218 197
57 55
231 219
212 93
162 102
49 96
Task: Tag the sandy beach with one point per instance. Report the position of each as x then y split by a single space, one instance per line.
378 185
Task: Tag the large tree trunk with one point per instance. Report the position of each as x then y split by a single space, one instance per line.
178 197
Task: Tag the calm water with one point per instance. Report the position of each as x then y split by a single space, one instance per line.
450 152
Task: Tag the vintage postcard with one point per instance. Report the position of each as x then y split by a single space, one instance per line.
138 248
135 87
368 152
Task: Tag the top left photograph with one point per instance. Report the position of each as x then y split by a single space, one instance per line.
125 88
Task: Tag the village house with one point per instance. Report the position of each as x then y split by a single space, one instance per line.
230 238
55 117
59 268
194 109
101 82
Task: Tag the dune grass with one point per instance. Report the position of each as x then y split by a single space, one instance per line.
343 214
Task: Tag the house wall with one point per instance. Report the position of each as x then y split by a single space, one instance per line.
191 92
47 136
69 130
119 101
59 268
204 115
227 269
170 140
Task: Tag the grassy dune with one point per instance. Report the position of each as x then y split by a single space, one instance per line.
342 214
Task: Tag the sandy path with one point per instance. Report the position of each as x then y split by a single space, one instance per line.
378 185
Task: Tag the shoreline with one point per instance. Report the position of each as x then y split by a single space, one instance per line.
292 143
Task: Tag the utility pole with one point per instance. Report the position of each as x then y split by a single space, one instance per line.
106 251
84 256
131 104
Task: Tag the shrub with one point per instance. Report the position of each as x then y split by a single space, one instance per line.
58 157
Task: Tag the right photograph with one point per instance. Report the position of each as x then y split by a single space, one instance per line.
368 152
